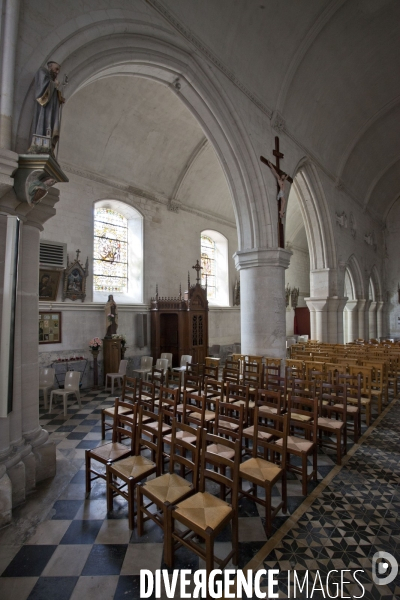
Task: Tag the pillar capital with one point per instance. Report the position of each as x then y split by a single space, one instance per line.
262 257
352 305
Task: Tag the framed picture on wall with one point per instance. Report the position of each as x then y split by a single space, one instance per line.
49 280
49 327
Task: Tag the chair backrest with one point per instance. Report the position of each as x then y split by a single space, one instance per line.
194 405
192 382
124 425
168 356
275 383
146 362
162 364
210 371
146 394
272 434
185 358
168 401
213 389
231 375
229 420
218 460
46 376
129 387
148 436
157 377
238 393
72 379
122 367
181 449
329 395
304 403
194 368
271 399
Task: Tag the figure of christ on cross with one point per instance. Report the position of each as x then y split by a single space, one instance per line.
281 177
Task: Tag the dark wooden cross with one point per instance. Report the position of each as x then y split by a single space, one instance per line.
278 155
197 268
77 254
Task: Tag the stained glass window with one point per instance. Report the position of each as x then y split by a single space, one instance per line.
208 264
110 268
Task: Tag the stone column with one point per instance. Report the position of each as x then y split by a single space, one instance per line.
372 320
379 318
262 300
352 320
361 318
366 319
318 307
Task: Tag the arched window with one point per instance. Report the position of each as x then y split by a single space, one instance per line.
117 252
110 256
214 262
208 266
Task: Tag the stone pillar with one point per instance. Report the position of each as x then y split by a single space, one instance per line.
361 318
262 300
351 310
10 41
380 319
372 320
336 307
318 307
366 319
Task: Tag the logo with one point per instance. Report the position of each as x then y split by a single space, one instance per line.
384 568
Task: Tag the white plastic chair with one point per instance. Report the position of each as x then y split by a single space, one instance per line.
119 376
185 358
162 364
46 381
146 362
168 356
71 386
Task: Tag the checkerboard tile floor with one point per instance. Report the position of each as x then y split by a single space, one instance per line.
79 551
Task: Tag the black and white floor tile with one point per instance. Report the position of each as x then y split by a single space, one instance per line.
79 551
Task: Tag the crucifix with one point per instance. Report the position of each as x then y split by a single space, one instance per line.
77 254
197 268
280 177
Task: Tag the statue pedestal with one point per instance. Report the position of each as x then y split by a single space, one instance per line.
111 355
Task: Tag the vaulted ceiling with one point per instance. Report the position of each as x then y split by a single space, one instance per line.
328 67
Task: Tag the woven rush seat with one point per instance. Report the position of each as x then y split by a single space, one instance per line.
267 410
168 487
111 451
350 409
154 425
208 416
249 432
330 423
121 411
203 510
300 417
221 450
296 444
228 425
251 403
181 435
133 466
259 469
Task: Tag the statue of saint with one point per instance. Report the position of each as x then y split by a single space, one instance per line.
48 99
111 316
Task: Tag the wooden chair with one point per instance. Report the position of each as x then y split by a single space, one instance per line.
158 377
303 414
210 371
365 401
164 491
296 368
205 515
353 394
239 395
128 396
231 375
329 408
263 473
213 389
146 394
135 468
269 403
197 409
113 451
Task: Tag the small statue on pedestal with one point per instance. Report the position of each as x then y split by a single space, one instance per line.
111 317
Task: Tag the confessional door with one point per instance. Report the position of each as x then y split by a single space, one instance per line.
169 338
199 337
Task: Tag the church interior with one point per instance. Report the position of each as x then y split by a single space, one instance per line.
199 211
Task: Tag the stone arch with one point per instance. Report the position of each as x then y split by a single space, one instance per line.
352 266
376 282
139 54
316 216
